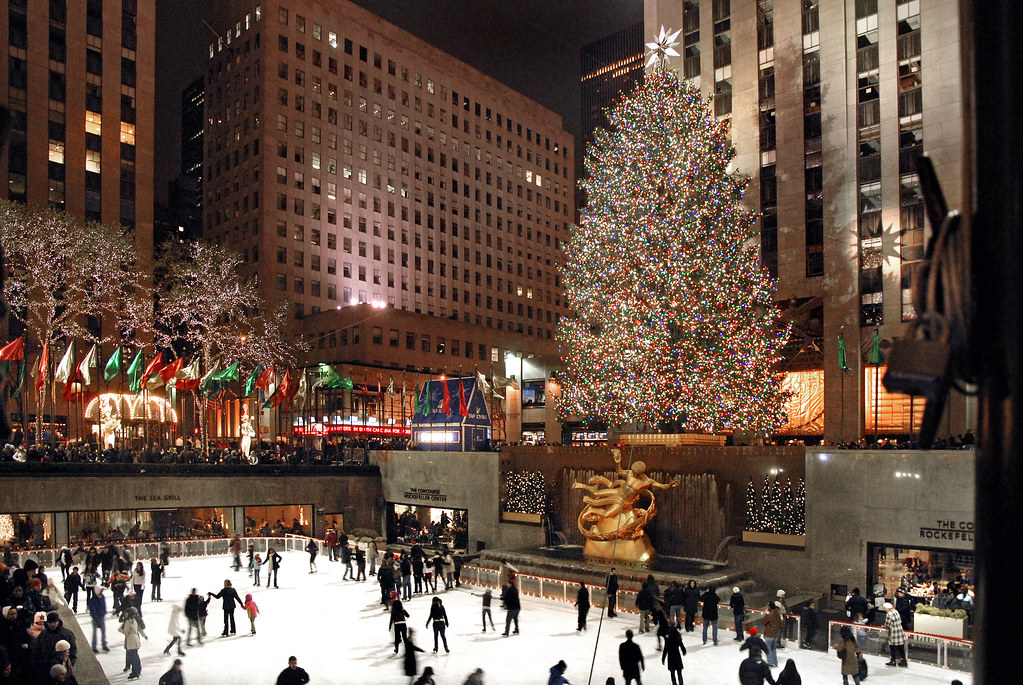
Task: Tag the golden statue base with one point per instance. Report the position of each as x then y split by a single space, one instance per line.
635 551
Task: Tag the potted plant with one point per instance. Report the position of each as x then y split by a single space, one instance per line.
935 621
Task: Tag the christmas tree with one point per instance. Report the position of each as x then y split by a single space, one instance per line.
674 318
526 492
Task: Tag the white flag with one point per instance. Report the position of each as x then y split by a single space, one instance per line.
64 370
88 364
300 394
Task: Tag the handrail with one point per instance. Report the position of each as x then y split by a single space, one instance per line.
935 650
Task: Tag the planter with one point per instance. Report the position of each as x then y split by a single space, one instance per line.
939 625
777 539
520 517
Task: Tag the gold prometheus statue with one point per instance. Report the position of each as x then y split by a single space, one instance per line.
611 521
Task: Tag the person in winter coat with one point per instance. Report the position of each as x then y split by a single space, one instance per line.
754 640
96 602
72 584
449 571
691 602
612 592
582 605
753 670
856 604
138 581
255 565
896 636
274 559
405 564
133 629
662 623
557 672
229 596
439 616
738 605
488 598
156 580
811 623
630 659
293 674
236 553
64 560
192 613
475 678
426 678
644 604
385 576
772 632
372 553
673 600
849 652
313 550
252 611
710 601
439 573
789 675
62 658
173 675
409 660
673 652
346 559
397 623
360 563
45 646
510 599
174 629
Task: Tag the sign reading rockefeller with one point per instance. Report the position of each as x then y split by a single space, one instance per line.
425 495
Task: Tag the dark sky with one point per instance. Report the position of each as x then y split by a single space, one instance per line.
530 45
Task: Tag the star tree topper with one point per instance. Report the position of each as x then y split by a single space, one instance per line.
663 47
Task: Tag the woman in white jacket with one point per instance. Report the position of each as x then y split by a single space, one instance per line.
174 629
133 628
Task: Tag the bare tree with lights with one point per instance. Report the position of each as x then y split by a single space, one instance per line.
64 270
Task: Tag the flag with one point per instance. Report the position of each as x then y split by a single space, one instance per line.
228 374
65 370
483 382
265 379
390 386
463 406
14 350
445 404
154 366
169 373
44 363
843 365
380 387
298 395
494 392
347 383
250 382
16 388
113 368
90 362
329 378
208 378
283 388
135 373
875 350
188 378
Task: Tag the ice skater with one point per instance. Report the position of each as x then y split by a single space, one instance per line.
274 559
252 611
439 616
229 596
510 599
156 580
582 605
557 672
313 549
398 624
410 656
293 675
673 652
630 658
488 598
174 630
255 566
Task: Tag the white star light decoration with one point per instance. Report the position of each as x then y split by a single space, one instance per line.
663 47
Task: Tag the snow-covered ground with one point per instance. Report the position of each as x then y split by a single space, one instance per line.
338 631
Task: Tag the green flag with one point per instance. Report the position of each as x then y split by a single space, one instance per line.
346 383
250 384
329 378
875 350
135 373
228 374
113 368
842 363
425 404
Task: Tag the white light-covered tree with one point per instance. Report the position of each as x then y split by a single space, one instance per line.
62 271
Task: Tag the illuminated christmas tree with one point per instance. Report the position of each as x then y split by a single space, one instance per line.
754 513
674 318
799 508
526 492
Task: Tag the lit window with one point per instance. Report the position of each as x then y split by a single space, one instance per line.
92 161
332 39
93 123
127 133
56 152
316 160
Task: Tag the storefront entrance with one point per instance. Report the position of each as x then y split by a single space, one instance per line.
428 526
924 570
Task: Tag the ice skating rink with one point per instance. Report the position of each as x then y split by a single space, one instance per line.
338 631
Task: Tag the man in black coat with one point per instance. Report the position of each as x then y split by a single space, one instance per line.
630 658
293 675
753 670
45 646
582 604
612 593
510 599
710 601
856 604
230 598
754 641
691 601
193 612
385 576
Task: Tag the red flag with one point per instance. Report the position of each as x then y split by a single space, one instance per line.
44 363
265 378
445 405
284 389
154 366
13 351
168 372
463 407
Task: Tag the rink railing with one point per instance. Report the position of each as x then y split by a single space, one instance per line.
562 590
935 650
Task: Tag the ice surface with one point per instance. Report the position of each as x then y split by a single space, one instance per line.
338 631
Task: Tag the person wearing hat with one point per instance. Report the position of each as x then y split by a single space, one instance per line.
896 636
173 675
783 633
62 658
557 674
45 647
738 604
58 674
754 640
753 670
133 628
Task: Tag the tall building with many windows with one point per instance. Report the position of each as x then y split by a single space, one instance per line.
351 164
80 80
830 106
611 68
